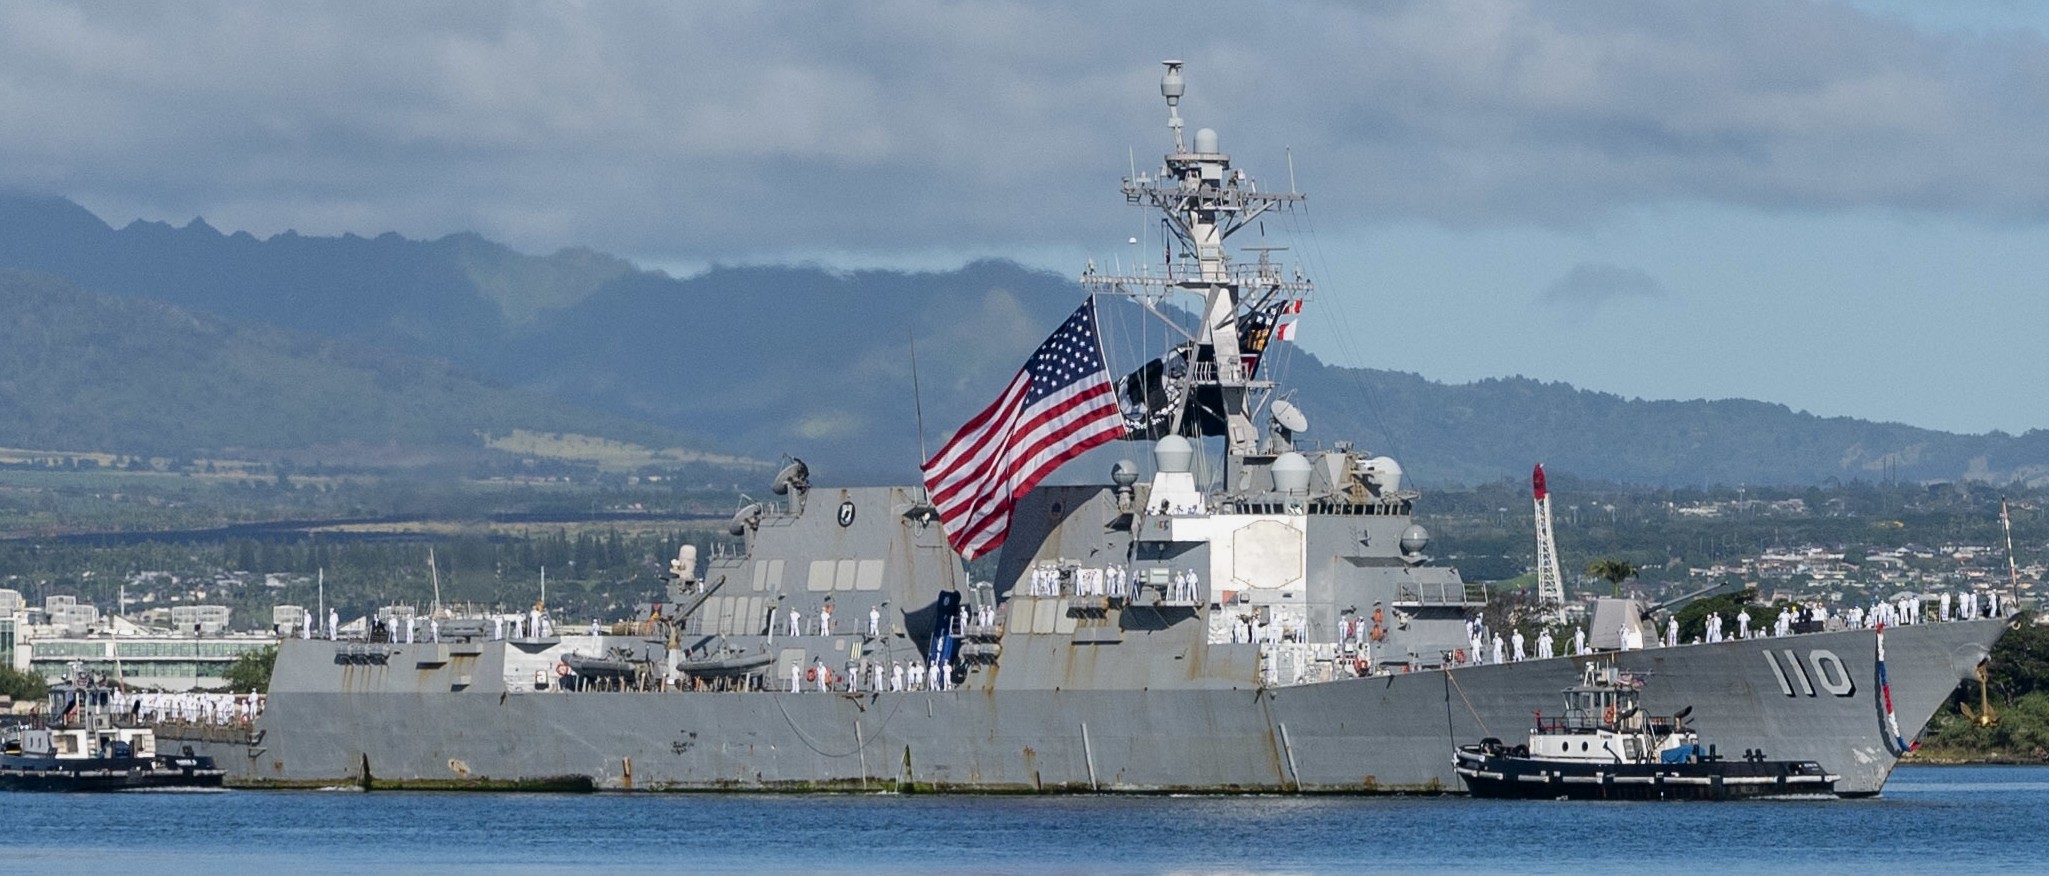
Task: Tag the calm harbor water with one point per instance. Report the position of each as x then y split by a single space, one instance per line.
1931 820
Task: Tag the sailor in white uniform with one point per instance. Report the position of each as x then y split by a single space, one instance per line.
1497 649
1579 641
1671 632
874 621
1516 639
796 622
1544 642
1742 624
333 623
796 678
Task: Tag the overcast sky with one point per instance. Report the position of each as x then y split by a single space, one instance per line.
1837 206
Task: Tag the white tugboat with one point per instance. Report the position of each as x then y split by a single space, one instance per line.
1606 747
86 746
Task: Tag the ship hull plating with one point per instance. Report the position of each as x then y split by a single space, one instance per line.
1811 697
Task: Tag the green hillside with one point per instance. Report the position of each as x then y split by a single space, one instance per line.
86 371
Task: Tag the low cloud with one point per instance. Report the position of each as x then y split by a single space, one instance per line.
1592 285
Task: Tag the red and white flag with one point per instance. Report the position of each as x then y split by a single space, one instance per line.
1286 331
1054 410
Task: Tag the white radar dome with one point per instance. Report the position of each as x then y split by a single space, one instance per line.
1173 454
1291 473
1384 472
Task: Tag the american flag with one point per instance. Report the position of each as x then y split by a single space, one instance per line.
1054 410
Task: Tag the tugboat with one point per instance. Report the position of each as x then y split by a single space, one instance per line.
1606 747
85 748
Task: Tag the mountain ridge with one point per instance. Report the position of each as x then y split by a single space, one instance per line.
766 360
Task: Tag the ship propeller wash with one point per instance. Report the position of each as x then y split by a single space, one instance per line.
1240 608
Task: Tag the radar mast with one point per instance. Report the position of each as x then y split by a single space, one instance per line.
1210 389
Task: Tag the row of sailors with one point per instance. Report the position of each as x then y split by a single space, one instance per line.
797 626
1906 610
1250 629
979 618
1512 649
1114 582
897 675
192 708
534 625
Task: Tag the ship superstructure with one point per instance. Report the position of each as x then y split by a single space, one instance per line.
1247 611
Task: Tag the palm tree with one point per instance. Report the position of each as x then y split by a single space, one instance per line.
1616 571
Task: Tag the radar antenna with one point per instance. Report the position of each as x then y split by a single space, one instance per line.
1207 386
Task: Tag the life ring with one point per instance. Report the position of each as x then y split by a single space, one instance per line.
1359 665
561 670
811 674
1608 715
1379 633
1459 656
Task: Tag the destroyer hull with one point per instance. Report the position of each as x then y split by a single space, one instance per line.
1810 697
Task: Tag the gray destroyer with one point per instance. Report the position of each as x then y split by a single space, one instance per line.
1245 613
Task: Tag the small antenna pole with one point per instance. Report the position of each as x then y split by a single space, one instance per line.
2013 569
917 396
1291 172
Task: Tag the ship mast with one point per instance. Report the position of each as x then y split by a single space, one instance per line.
2013 569
1204 202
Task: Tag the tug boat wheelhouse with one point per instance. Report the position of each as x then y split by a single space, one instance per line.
1606 747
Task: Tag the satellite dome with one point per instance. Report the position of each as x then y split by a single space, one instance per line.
1291 473
1415 539
1288 416
1205 140
1173 454
1124 473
